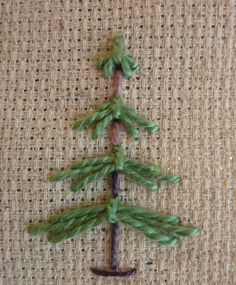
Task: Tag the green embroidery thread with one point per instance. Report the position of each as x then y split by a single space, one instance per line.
118 57
167 230
91 170
116 110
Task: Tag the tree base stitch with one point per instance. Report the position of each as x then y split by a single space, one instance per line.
167 230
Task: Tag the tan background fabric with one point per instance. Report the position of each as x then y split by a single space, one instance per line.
48 80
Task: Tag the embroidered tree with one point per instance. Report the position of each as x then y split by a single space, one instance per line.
165 229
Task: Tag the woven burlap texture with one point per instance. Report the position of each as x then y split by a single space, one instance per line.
48 80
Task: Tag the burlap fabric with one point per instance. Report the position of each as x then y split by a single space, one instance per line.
48 80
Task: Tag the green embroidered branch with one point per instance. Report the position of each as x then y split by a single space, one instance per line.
116 109
71 223
167 230
91 170
119 57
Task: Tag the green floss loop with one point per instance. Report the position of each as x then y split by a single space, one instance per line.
167 230
91 170
112 209
119 57
116 109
